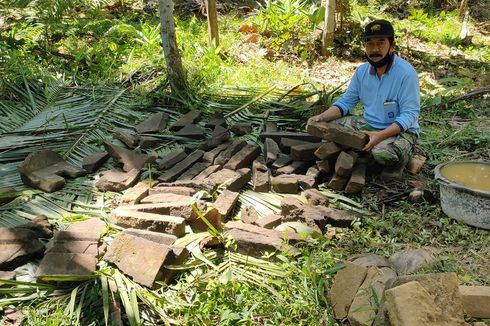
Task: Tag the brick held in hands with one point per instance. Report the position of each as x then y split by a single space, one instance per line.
344 164
304 152
337 133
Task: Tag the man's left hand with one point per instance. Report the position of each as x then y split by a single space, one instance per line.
375 137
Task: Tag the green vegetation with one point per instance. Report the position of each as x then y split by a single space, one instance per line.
61 59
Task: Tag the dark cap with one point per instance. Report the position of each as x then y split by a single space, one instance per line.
378 28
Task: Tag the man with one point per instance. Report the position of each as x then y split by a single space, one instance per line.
388 88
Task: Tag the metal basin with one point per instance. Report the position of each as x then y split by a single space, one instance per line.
469 204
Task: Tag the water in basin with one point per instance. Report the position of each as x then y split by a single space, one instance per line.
472 175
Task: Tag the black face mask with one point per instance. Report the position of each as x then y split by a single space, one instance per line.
380 63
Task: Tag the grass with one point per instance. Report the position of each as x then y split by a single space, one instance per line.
120 46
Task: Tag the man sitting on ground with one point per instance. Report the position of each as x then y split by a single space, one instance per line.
388 88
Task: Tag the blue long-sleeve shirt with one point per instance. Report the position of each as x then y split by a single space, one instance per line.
393 98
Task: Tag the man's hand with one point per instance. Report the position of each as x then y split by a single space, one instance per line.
375 137
332 113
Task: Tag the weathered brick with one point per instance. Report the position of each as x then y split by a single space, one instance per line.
269 221
316 197
260 176
162 190
158 237
210 156
174 172
117 181
282 160
230 150
179 208
248 214
287 143
337 133
304 152
337 182
93 162
296 167
277 135
324 166
156 122
56 264
207 172
194 170
243 158
284 184
128 158
357 179
233 180
190 117
171 158
344 165
328 151
167 198
134 194
272 150
148 221
191 131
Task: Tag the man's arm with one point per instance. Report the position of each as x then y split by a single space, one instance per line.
330 114
375 137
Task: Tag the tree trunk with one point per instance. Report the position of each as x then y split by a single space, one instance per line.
175 71
212 22
329 26
462 9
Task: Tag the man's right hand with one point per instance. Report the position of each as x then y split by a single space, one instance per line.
332 113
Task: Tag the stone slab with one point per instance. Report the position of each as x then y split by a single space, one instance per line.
55 264
117 181
338 134
148 221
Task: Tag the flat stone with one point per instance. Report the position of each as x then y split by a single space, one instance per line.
155 123
323 216
328 150
148 141
357 179
344 288
117 181
225 202
476 300
232 180
75 247
177 208
277 135
135 194
412 260
191 117
160 192
363 308
225 155
212 216
204 174
8 276
288 234
295 167
127 139
241 129
211 155
17 247
218 119
337 182
139 258
45 170
369 260
40 226
171 158
344 164
148 221
269 221
191 131
178 256
56 264
272 150
248 214
304 152
194 171
316 197
243 158
174 172
260 176
167 198
315 173
158 237
93 162
128 158
218 136
338 134
282 160
284 184
443 287
94 225
410 304
305 181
